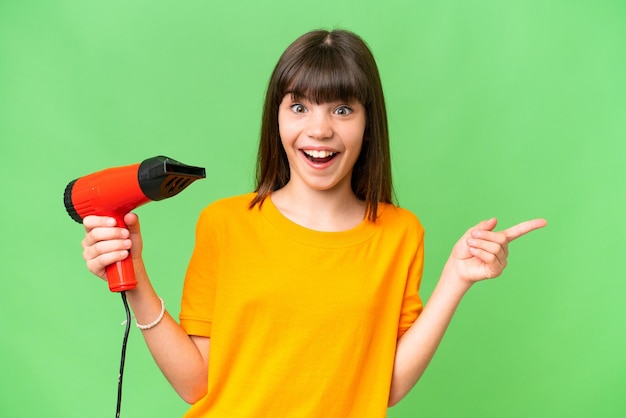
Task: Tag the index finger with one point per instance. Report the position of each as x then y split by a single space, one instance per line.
524 228
93 221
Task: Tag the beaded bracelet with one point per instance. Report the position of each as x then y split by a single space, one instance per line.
156 321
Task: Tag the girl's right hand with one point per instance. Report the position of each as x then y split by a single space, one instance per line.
105 243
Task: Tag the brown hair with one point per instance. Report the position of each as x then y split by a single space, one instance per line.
325 66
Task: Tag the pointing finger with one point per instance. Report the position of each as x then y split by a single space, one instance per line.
524 228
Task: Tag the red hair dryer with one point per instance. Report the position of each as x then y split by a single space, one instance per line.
116 191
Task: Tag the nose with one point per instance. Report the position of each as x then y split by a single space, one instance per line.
320 125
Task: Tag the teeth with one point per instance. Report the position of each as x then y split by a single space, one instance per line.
319 154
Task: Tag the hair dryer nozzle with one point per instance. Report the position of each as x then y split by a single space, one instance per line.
162 177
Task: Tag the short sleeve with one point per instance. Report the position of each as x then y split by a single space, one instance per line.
412 302
198 299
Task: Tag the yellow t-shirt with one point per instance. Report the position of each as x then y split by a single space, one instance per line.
302 323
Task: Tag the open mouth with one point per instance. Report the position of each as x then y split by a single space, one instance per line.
319 157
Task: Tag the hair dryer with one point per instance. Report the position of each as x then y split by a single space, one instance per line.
116 191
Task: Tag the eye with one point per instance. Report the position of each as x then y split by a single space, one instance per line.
343 110
297 108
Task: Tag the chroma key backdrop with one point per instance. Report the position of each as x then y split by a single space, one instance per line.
497 108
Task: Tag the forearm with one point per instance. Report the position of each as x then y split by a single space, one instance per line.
176 354
481 253
417 346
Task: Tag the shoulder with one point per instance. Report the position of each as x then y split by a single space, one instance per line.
228 205
394 216
225 210
390 213
225 216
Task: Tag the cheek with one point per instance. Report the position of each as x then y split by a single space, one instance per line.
284 138
356 143
287 142
286 131
281 133
355 137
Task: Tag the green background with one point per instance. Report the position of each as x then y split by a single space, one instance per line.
513 109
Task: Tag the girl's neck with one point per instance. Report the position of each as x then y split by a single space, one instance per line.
320 210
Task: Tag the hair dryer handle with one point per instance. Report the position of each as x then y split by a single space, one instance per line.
121 275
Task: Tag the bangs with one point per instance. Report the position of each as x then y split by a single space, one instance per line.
323 67
325 75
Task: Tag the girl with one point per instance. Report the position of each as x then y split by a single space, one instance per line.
301 299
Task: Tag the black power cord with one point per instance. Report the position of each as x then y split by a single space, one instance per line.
123 358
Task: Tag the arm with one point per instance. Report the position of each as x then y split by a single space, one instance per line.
480 254
183 359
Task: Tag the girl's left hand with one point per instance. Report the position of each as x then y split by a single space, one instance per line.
482 253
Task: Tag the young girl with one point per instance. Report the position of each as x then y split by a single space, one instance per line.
301 299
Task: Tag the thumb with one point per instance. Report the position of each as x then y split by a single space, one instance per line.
486 225
132 223
461 250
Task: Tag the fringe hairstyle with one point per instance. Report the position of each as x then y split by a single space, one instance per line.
324 66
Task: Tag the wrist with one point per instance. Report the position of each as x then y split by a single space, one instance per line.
154 323
454 280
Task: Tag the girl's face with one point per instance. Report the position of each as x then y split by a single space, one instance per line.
322 141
